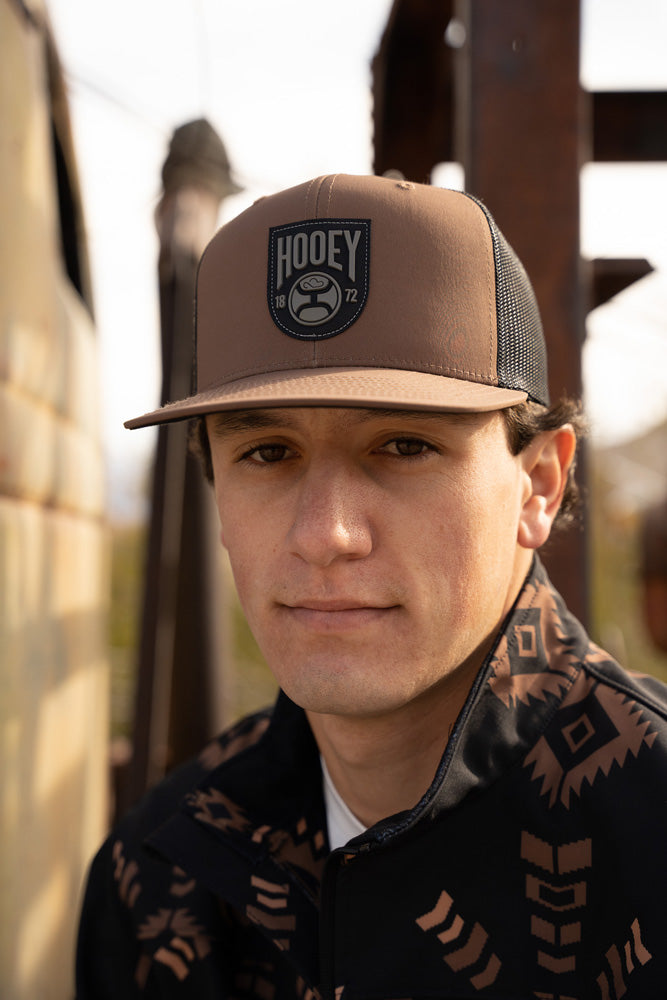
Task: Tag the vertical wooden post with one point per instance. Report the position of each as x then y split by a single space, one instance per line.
179 701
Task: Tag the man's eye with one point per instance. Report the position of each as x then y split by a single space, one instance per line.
266 454
407 447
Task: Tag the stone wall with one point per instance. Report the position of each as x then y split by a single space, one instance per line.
53 536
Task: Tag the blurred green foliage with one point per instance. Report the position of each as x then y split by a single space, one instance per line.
127 560
248 686
252 683
616 600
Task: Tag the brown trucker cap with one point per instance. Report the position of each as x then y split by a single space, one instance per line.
362 291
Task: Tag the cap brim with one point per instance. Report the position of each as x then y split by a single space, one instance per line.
367 387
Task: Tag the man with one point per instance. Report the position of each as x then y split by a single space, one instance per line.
457 794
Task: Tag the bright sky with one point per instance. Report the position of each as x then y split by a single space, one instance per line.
287 86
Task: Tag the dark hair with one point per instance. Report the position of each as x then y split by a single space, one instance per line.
200 446
523 423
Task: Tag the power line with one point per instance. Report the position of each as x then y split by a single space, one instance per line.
76 81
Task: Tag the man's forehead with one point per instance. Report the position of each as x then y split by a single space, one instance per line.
223 422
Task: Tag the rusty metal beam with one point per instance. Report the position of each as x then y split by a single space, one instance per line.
520 136
611 275
413 90
520 112
630 127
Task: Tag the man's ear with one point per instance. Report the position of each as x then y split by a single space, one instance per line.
547 461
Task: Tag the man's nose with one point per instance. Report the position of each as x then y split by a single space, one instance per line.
331 516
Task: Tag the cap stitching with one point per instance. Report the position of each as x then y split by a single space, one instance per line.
491 278
425 392
307 195
492 281
323 181
406 363
396 362
303 222
491 268
331 187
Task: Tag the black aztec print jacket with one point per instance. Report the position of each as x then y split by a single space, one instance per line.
534 867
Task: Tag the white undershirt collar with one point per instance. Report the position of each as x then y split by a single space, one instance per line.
342 824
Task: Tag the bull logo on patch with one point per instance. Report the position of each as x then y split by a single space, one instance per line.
318 276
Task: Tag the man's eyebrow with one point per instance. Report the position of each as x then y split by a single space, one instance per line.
232 421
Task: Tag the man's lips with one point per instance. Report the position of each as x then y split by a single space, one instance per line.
338 604
336 615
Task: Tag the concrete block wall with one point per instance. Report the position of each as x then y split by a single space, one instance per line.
54 699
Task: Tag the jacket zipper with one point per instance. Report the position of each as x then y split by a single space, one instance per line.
327 943
327 922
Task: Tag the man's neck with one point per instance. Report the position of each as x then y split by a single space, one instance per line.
384 764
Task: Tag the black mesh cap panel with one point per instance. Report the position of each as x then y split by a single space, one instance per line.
522 354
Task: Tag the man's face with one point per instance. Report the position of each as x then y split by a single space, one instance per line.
375 552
